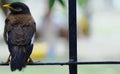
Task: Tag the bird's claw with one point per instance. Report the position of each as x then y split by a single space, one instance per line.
8 60
30 61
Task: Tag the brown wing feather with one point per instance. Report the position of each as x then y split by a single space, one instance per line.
20 33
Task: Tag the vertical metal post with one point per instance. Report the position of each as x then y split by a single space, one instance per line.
72 36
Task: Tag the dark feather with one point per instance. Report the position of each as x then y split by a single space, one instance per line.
20 55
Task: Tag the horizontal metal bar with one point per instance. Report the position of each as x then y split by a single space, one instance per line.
70 63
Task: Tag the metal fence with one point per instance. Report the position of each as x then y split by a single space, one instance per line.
72 63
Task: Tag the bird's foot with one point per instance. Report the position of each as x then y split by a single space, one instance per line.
30 61
7 62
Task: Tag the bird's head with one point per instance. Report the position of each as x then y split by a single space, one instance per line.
17 8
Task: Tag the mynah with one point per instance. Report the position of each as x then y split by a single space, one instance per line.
19 34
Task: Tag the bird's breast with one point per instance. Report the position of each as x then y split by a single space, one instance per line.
21 19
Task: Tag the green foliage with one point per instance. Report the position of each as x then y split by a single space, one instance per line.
10 1
82 2
52 2
62 3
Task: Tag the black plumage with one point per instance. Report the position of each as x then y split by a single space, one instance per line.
19 33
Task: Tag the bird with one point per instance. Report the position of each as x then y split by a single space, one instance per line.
19 33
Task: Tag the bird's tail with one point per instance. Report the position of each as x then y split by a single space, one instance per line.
19 57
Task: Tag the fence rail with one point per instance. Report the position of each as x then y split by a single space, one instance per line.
70 63
72 36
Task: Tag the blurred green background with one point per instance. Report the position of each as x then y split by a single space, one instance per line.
82 69
98 29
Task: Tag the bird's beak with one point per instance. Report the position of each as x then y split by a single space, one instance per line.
8 6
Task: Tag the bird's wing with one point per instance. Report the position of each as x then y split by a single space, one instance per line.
19 33
7 28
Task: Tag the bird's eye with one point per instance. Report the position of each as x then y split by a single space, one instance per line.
18 9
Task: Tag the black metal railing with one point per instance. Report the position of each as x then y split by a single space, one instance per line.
72 37
70 63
